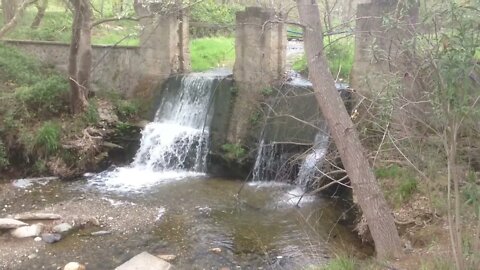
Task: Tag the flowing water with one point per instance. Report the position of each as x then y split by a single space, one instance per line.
265 226
168 205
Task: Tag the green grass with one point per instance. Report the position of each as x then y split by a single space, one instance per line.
338 263
339 55
401 183
47 139
57 26
212 52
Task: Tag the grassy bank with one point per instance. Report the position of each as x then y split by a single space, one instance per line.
38 135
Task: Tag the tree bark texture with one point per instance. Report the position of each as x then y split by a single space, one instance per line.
80 57
41 6
369 195
9 10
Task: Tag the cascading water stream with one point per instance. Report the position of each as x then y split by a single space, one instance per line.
177 139
175 144
313 160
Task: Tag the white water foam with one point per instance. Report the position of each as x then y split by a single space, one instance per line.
175 145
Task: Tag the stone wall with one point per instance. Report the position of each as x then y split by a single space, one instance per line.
260 46
113 68
130 71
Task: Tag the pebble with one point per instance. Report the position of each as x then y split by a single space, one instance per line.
51 238
215 250
74 266
99 233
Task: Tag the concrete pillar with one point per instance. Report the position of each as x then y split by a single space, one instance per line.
380 48
260 46
163 48
382 64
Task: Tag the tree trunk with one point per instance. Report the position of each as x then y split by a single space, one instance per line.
14 20
41 6
9 10
368 193
80 58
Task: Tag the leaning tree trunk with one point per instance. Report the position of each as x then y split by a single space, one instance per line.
41 6
368 193
80 57
9 10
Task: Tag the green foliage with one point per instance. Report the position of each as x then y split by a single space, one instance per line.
234 151
267 91
47 139
17 68
402 181
211 12
57 25
208 53
3 156
47 96
341 263
471 192
91 114
255 118
123 128
126 109
300 64
339 54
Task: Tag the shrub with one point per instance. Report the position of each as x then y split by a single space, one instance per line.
91 114
17 67
126 109
341 263
47 96
47 139
234 151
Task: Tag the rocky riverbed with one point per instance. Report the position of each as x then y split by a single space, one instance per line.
196 221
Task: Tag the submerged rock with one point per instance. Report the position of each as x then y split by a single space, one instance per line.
28 231
51 238
10 223
62 228
74 266
145 261
100 233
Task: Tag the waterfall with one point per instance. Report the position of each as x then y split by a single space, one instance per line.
175 145
177 139
313 159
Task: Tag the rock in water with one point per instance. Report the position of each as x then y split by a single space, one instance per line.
100 233
37 216
167 257
10 223
74 266
28 231
51 238
62 228
145 261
